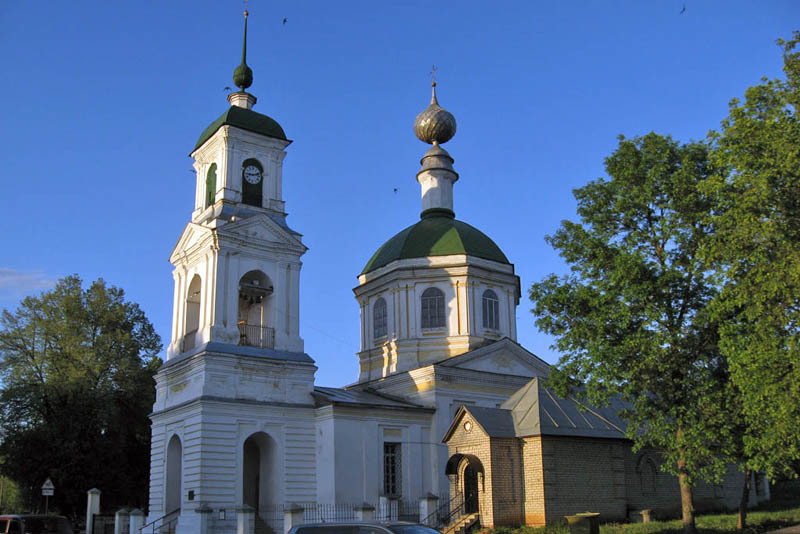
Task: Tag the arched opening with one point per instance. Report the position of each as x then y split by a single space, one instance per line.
260 473
211 184
469 483
646 469
255 311
491 310
172 497
192 312
252 182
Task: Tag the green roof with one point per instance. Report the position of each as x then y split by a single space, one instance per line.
246 119
436 235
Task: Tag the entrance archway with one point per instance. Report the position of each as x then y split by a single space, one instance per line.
260 472
172 498
466 471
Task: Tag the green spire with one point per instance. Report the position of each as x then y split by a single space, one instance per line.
243 75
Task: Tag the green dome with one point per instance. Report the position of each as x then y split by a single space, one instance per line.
246 119
436 235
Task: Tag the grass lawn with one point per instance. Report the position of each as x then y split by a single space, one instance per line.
782 511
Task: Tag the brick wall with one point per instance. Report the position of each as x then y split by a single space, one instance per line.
583 475
507 481
533 476
539 480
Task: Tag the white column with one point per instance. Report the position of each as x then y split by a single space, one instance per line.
136 521
292 516
121 520
92 507
245 520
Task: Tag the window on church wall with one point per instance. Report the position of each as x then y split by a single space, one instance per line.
433 311
491 310
379 318
647 475
211 184
392 484
252 182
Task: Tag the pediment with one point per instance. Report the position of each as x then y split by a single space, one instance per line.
261 230
501 357
193 236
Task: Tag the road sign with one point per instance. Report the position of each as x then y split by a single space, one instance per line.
48 488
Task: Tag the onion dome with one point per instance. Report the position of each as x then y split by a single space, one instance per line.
435 125
436 235
243 75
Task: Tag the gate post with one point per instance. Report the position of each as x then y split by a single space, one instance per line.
245 520
92 507
427 505
122 521
137 521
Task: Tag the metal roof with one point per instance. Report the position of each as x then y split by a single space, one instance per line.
534 410
355 397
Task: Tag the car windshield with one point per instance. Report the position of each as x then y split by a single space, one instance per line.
47 525
412 529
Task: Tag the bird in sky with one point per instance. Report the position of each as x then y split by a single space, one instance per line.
682 10
284 20
227 88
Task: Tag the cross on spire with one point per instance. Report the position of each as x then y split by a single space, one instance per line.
433 75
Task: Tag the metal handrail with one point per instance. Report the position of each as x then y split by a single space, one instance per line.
438 513
256 335
458 524
162 518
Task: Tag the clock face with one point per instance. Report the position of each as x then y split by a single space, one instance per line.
252 174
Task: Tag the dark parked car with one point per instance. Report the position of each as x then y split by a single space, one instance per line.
365 527
34 524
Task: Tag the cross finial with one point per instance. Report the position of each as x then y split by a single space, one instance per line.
433 75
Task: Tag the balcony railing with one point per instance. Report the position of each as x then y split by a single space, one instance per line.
255 335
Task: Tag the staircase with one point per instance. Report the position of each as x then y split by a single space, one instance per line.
462 524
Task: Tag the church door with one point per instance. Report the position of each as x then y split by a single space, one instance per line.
470 490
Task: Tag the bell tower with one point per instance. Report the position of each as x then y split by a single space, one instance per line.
237 264
236 387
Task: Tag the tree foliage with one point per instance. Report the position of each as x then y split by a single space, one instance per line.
77 386
631 320
756 249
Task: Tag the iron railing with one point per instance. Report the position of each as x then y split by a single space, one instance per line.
256 335
444 514
163 525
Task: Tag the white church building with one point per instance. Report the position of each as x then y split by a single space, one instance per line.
244 440
238 421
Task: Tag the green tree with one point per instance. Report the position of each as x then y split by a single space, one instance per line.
77 386
756 250
631 319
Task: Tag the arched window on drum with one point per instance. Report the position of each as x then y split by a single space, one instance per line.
379 318
491 310
433 315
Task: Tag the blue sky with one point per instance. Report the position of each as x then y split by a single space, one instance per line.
102 102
